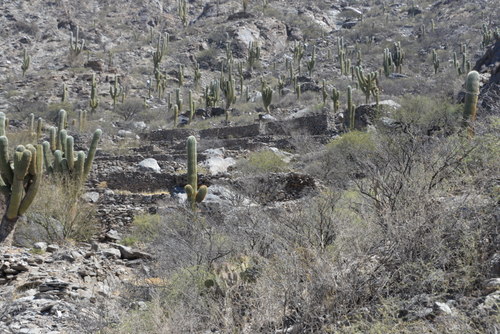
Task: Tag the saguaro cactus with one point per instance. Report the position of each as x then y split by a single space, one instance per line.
26 62
94 99
20 182
267 96
76 48
351 109
335 98
470 108
367 83
194 195
398 56
63 160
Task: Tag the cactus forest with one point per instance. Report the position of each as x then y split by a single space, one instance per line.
249 166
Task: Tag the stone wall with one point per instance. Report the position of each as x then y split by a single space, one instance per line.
313 125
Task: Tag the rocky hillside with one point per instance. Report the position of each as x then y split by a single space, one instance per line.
348 189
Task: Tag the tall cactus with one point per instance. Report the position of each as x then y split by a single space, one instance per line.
194 195
335 99
20 182
435 61
267 96
388 65
75 47
351 109
398 56
367 83
470 107
94 99
63 160
26 62
115 91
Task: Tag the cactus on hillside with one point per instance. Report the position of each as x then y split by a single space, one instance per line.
194 194
311 62
387 62
470 107
26 62
267 96
351 109
75 47
435 61
253 54
19 182
335 98
115 91
63 160
367 83
398 56
94 99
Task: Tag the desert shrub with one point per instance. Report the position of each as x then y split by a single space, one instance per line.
58 213
130 109
144 229
264 161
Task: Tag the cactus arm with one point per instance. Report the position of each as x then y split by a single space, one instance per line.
69 152
34 183
92 150
5 169
79 167
202 192
470 107
192 176
22 158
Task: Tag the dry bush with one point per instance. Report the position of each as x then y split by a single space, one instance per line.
58 214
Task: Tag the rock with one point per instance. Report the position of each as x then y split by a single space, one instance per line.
37 228
150 164
91 197
215 162
442 308
40 246
128 253
96 65
112 235
127 134
112 253
52 248
20 266
53 285
491 285
141 126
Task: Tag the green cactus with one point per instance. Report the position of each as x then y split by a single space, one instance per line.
324 93
336 99
20 182
470 107
26 62
227 88
94 99
63 161
298 53
398 56
435 61
197 75
75 47
64 97
212 94
161 50
253 54
367 83
182 11
39 126
311 62
82 120
180 75
115 91
194 195
267 96
176 115
351 109
191 107
387 63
